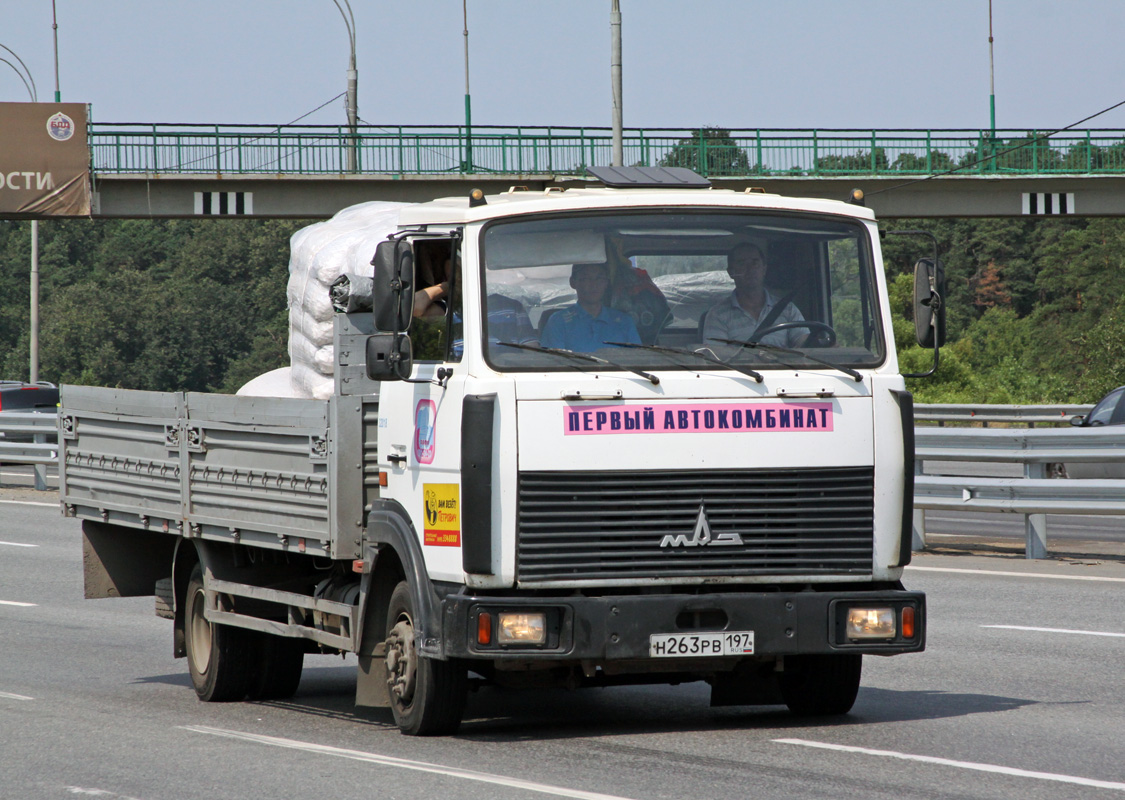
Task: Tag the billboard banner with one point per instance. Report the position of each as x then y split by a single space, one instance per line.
44 160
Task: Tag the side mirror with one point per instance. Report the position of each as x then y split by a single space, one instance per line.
1078 421
929 305
390 357
393 289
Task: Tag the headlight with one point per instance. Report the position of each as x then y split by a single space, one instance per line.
871 623
522 628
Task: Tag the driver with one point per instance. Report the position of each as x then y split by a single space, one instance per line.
740 315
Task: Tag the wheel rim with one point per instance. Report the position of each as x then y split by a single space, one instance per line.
199 633
402 661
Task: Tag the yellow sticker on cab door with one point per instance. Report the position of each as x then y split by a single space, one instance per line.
442 524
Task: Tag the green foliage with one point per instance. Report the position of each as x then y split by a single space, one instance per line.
709 151
166 305
1036 307
860 163
911 162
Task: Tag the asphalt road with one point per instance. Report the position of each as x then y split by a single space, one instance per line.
1017 695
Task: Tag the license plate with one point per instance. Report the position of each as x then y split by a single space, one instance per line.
686 645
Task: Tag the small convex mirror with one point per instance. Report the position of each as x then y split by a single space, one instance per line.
929 303
390 357
393 289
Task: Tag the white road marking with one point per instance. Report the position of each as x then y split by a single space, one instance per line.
947 762
18 544
1054 630
1016 574
98 793
10 696
418 766
29 503
14 603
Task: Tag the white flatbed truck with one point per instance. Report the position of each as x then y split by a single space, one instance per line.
671 508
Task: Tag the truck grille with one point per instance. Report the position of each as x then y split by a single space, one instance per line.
606 526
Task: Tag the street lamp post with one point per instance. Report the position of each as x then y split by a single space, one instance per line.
467 166
55 31
615 79
991 90
33 356
353 81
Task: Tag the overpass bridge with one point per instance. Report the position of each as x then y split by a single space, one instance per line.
161 170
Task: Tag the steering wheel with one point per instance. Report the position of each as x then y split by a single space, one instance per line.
821 334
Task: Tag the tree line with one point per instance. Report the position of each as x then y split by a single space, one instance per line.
1036 306
190 305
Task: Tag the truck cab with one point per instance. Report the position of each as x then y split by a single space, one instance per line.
648 484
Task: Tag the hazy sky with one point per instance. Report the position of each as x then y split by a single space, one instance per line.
727 63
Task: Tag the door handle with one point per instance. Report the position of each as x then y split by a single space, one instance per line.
396 459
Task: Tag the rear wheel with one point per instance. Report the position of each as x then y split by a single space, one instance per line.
219 656
280 662
427 695
821 685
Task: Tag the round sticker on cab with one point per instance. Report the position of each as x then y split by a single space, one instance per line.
425 433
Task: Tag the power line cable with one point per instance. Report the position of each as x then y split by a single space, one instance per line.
34 91
30 91
259 138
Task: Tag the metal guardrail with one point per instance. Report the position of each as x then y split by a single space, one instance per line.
977 413
129 148
24 439
1035 494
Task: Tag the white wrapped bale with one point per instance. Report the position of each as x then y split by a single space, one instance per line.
319 254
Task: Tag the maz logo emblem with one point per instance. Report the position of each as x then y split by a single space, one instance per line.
702 536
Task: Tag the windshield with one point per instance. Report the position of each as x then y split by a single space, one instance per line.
654 290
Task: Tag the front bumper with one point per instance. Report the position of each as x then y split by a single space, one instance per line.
617 628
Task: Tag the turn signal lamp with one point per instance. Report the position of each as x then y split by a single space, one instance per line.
484 628
908 622
522 628
856 198
476 198
871 623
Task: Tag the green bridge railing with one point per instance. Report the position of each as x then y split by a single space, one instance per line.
437 150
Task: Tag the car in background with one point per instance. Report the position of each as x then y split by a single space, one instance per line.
27 397
1110 410
21 396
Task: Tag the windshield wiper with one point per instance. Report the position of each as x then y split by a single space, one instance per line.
714 360
558 351
773 348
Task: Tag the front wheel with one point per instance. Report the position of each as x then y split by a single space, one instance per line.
821 685
427 695
219 657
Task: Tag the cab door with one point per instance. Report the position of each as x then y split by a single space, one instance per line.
420 419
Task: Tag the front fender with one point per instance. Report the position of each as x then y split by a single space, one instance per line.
390 527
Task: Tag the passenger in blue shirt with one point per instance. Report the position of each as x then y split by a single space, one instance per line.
588 325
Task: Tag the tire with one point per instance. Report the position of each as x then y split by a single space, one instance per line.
427 694
280 662
821 685
219 656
